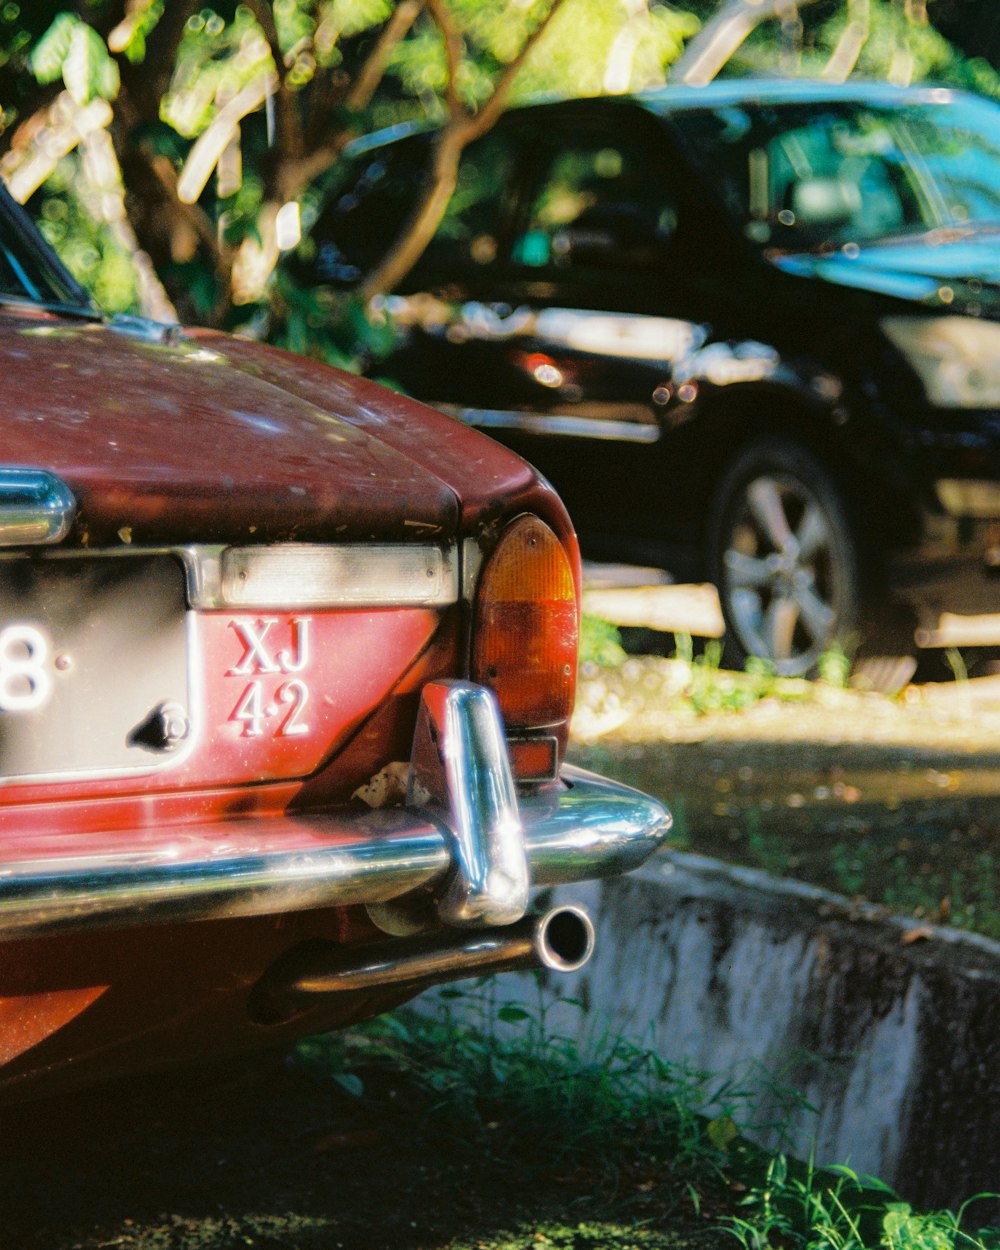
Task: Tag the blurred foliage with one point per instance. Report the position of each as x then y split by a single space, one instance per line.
69 221
221 114
600 643
572 59
181 132
74 52
898 44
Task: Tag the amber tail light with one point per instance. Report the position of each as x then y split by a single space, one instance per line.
525 639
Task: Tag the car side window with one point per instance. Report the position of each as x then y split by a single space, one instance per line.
831 181
598 206
473 225
366 213
14 280
28 270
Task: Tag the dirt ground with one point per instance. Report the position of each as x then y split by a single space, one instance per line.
892 800
275 1153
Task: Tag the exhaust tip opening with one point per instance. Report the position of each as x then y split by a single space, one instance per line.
565 939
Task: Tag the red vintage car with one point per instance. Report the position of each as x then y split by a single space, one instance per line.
286 669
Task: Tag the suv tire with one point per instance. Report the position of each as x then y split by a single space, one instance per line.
784 557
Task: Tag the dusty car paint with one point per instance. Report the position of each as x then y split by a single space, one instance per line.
236 587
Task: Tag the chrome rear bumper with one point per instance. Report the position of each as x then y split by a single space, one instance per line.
465 837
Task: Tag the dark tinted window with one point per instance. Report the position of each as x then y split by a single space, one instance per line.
368 209
28 268
472 229
601 204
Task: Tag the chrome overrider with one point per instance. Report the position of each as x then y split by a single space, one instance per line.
465 844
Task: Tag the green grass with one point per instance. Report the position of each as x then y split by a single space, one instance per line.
482 1128
658 1150
693 682
600 642
836 1209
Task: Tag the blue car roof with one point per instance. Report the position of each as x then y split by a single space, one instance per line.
721 93
730 91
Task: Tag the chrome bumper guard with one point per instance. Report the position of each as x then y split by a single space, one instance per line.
464 838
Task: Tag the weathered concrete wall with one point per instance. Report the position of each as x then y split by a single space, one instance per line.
890 1031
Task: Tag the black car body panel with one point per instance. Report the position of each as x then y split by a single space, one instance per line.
637 293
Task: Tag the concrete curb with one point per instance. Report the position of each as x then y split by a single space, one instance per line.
889 1029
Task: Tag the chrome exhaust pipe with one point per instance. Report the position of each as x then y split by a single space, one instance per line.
561 940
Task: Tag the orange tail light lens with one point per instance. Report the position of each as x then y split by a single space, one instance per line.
526 630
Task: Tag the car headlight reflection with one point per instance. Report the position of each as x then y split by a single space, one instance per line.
956 358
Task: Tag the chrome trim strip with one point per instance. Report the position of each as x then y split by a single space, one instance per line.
203 570
146 329
559 424
278 575
472 563
586 827
35 507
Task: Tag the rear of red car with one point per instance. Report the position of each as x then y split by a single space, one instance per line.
286 669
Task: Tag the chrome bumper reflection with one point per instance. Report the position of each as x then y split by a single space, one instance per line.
454 840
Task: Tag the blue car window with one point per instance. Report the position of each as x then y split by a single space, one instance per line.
802 176
29 271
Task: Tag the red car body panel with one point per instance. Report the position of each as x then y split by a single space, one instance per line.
81 1009
492 483
170 442
179 771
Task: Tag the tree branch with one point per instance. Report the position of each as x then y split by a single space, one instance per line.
297 174
212 142
424 220
367 79
145 83
719 39
290 136
43 139
454 137
452 51
851 43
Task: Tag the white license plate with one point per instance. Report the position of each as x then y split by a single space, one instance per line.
93 665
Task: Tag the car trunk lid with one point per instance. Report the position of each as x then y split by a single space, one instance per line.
169 442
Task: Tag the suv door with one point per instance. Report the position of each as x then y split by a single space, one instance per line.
541 311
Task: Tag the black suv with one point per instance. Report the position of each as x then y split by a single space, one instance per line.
749 332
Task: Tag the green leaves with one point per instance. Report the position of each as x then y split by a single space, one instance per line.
53 48
512 1014
76 53
721 1132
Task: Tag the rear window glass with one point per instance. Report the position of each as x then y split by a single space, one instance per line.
28 271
